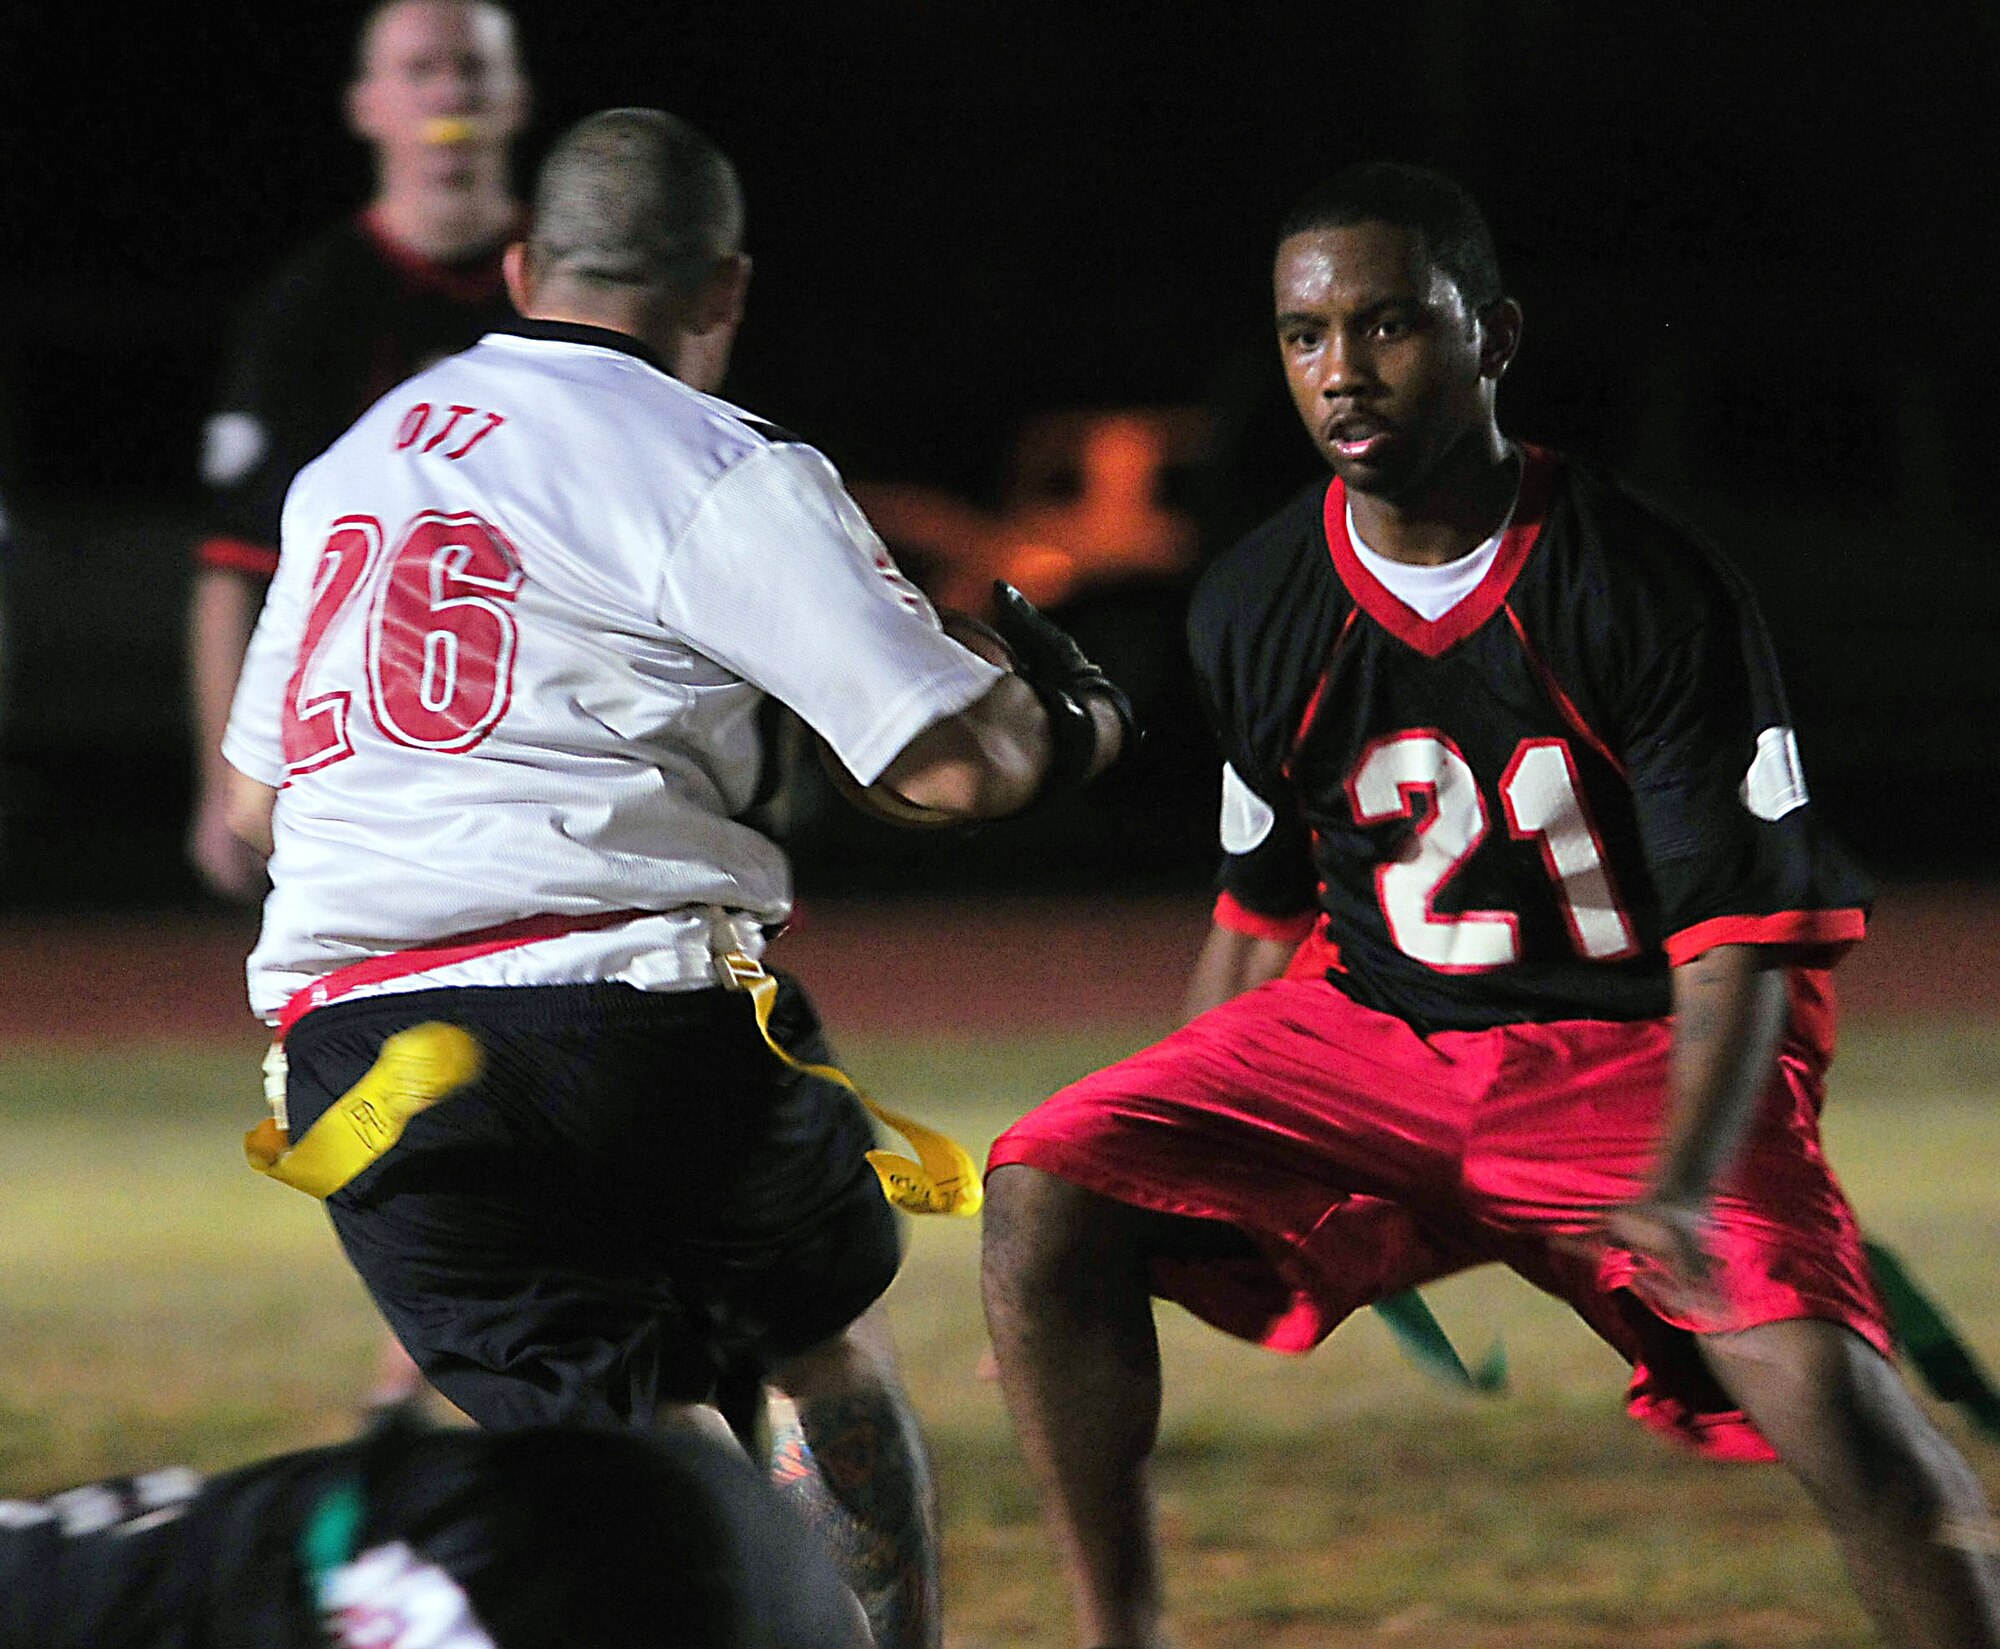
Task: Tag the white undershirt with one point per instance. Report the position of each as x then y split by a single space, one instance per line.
1429 591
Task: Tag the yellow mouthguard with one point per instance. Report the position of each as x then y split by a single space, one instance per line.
450 129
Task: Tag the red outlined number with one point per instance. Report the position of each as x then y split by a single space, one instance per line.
440 644
1542 796
442 634
1386 783
313 731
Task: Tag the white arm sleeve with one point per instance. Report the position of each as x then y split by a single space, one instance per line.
780 578
253 743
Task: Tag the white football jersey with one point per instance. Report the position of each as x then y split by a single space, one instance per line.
509 671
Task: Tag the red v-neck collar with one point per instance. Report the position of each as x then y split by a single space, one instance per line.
468 280
1432 636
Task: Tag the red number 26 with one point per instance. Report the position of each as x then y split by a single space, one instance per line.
440 644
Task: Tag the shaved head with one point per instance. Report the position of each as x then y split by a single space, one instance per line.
635 198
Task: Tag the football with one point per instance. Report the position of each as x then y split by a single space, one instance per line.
975 635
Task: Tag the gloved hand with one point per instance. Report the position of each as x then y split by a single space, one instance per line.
1048 659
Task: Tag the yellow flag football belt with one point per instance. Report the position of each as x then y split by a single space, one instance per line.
422 1065
943 1180
415 1069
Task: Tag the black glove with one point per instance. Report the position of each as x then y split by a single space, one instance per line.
1048 659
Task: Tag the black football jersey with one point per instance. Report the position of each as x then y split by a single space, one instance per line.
534 1538
168 1561
1533 806
338 327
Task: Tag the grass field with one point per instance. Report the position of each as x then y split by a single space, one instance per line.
158 1302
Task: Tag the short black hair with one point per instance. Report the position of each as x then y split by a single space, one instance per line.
1428 204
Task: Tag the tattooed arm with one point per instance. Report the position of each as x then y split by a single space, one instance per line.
1729 1013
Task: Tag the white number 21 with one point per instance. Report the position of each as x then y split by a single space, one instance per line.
1543 802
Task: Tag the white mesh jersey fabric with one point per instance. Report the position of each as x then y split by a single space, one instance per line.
511 666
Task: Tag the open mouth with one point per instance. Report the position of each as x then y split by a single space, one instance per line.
1356 439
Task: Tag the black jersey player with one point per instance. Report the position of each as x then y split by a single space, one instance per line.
414 1539
439 98
1520 956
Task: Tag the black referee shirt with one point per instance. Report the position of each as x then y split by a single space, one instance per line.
346 320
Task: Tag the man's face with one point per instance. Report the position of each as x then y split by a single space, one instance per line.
439 75
1383 359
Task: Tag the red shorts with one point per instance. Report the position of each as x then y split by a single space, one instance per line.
1363 1159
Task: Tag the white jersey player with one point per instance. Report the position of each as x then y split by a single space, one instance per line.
505 698
490 695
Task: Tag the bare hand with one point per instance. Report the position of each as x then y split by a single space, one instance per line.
1676 1273
228 865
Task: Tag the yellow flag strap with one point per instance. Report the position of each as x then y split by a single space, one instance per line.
943 1180
415 1069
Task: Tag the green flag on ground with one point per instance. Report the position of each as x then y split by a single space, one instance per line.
1427 1345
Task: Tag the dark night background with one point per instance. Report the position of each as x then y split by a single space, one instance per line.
1752 242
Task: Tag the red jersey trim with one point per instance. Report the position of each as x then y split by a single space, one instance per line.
464 948
1231 913
237 555
1565 706
1311 711
1317 956
1834 928
470 283
1434 636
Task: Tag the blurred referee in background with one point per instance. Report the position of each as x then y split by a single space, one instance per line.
439 96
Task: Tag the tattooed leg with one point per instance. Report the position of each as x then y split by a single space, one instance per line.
852 1460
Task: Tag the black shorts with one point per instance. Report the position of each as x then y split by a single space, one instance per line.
635 1198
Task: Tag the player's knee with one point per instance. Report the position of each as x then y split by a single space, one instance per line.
1027 1214
861 1357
